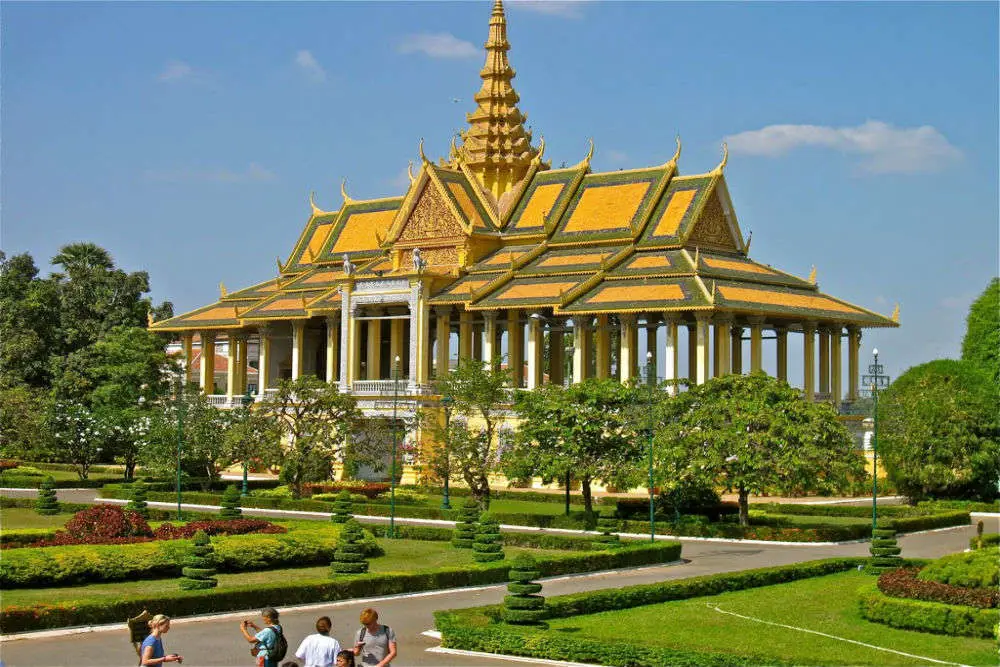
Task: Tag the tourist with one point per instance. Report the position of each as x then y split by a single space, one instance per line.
267 642
151 651
320 649
376 644
344 659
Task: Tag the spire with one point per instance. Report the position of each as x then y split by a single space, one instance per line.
496 147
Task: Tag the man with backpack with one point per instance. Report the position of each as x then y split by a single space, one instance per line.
269 643
374 643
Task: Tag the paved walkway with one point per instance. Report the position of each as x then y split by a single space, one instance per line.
215 640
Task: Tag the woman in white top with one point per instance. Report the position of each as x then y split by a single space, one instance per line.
320 649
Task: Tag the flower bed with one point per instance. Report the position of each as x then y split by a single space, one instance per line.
944 619
168 531
976 569
904 583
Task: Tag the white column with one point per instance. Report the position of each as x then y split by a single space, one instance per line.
232 359
263 362
581 330
628 348
756 344
670 354
535 346
652 324
346 338
332 349
702 346
490 350
442 340
298 342
835 365
809 359
187 347
207 379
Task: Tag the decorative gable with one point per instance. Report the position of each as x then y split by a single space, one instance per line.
431 218
712 229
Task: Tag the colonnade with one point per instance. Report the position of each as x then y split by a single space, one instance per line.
534 348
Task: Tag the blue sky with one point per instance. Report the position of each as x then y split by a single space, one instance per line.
186 137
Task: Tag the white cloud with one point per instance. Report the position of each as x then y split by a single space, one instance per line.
617 157
176 70
307 63
570 9
883 147
438 45
254 173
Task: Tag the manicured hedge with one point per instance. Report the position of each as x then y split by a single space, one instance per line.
468 629
929 522
60 566
904 583
10 480
12 539
290 592
859 511
967 505
989 540
942 619
70 508
974 569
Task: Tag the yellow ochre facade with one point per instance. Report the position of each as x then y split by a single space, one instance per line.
494 245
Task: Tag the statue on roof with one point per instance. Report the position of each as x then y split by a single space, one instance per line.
348 266
419 263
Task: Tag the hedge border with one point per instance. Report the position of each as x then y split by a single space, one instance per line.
465 629
903 583
934 617
180 603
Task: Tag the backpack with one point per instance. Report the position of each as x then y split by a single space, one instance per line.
280 644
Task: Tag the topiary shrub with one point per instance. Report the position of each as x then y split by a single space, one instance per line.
46 503
230 503
607 524
465 528
487 546
349 558
342 507
137 503
523 606
198 571
884 549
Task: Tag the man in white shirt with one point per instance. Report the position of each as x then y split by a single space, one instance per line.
320 649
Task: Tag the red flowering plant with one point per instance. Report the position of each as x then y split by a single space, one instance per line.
903 583
101 524
8 464
168 531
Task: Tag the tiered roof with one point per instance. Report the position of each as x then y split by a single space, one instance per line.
568 239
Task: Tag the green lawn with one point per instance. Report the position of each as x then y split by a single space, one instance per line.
400 556
69 475
803 520
14 518
824 604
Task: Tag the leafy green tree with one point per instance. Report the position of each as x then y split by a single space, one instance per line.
939 431
251 437
77 435
314 420
749 433
29 323
203 448
981 344
480 394
584 429
24 432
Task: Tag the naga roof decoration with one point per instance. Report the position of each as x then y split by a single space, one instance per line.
497 228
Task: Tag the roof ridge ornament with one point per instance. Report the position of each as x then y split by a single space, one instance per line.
281 269
316 210
895 314
222 289
343 192
420 148
725 159
677 153
746 246
409 172
537 160
236 311
812 275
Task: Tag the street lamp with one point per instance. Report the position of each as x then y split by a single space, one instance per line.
876 380
247 402
392 478
446 402
651 382
179 398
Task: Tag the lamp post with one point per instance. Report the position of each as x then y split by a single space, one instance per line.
651 382
446 402
392 478
180 440
247 402
876 380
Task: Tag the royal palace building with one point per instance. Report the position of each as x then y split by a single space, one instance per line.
554 270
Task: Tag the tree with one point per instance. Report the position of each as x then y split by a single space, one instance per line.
24 432
76 435
137 503
467 525
584 430
251 435
342 507
939 431
487 546
46 503
479 395
350 558
314 420
29 323
981 344
752 432
203 446
524 605
884 549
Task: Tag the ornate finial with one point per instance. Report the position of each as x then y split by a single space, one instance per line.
150 320
409 172
677 153
895 314
454 149
222 289
697 251
303 298
236 312
590 153
725 159
281 269
420 147
812 275
343 193
541 151
312 202
746 246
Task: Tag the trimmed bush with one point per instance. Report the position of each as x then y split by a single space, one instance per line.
230 503
906 583
943 619
488 545
465 528
198 571
137 503
608 525
349 558
976 569
884 550
523 606
368 489
342 507
46 503
168 531
986 540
